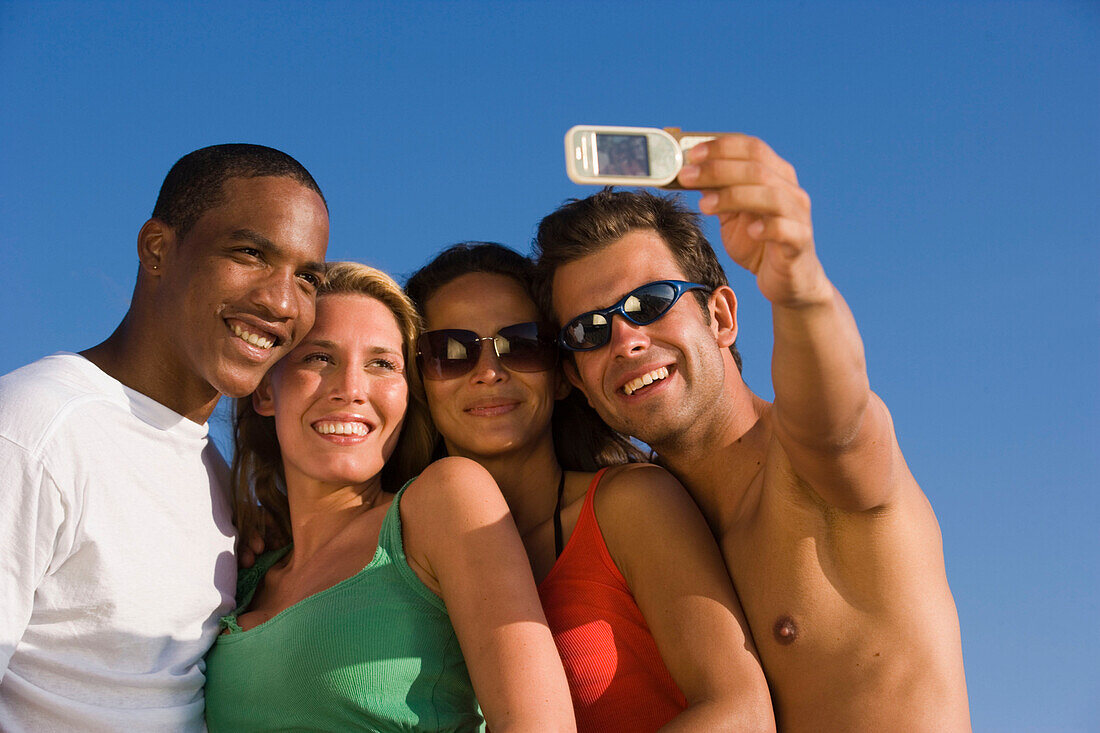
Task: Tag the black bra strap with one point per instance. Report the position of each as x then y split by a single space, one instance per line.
557 517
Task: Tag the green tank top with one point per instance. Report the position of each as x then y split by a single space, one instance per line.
374 652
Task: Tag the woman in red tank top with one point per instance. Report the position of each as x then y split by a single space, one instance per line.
633 585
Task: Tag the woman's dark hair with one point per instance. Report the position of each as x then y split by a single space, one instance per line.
582 441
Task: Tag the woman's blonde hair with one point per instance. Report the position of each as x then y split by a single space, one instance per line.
258 482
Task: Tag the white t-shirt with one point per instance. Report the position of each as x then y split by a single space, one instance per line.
116 554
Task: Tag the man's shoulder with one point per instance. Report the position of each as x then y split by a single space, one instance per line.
60 368
34 396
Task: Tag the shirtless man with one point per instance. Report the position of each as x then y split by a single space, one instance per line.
833 548
116 541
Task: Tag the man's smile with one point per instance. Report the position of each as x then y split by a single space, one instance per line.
252 334
644 380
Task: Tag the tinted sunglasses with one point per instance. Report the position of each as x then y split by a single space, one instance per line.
640 306
452 352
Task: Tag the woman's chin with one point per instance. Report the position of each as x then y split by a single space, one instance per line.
487 448
338 477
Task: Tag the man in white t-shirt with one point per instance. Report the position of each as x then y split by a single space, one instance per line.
116 540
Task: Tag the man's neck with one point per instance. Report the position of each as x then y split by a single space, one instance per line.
132 359
718 460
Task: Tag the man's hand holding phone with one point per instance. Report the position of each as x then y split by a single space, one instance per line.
764 213
764 216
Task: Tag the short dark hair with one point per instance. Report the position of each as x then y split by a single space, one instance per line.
582 440
194 184
464 258
581 227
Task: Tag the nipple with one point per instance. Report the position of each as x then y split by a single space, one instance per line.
786 631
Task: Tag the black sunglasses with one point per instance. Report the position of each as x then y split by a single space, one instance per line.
640 306
452 352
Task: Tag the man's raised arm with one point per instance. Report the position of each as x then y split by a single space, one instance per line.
837 433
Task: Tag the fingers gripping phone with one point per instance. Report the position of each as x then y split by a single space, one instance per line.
628 156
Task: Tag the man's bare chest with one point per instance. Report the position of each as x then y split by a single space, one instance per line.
814 586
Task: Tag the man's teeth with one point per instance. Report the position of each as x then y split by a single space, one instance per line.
252 338
635 384
340 428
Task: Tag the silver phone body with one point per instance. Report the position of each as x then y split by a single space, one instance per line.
625 156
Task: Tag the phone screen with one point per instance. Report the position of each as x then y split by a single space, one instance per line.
622 155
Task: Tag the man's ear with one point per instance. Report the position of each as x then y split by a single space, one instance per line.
153 242
262 401
574 377
723 315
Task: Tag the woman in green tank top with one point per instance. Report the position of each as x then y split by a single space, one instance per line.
404 600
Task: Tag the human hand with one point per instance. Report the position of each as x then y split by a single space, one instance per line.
764 216
256 543
249 549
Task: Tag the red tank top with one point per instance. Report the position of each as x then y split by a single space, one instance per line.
616 675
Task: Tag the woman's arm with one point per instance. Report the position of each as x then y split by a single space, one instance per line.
665 551
461 540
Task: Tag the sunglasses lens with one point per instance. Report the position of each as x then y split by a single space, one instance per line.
447 354
524 347
649 302
642 306
587 331
450 353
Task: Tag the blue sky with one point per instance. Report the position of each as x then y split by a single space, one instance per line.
951 149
